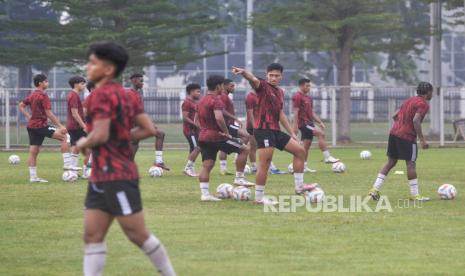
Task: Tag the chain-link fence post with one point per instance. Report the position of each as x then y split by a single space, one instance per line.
7 119
333 118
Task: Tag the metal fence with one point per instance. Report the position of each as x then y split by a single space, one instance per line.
371 110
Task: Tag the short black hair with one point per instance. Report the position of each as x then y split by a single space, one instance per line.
303 81
213 81
90 85
192 86
39 78
424 87
227 81
112 52
275 66
136 75
75 80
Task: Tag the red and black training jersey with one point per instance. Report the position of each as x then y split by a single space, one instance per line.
113 160
228 106
74 101
39 101
251 102
270 104
403 125
305 105
189 106
209 129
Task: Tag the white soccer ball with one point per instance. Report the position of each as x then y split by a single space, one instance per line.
155 171
247 169
225 190
241 193
290 168
365 155
69 176
14 159
339 167
316 195
447 191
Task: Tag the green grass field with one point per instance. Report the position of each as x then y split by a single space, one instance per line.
41 224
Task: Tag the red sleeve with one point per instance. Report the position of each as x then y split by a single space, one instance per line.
46 104
218 104
296 101
184 107
73 101
101 106
261 88
423 109
27 100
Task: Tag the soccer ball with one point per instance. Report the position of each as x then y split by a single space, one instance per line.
225 190
155 171
339 167
290 168
69 176
14 159
316 195
241 193
365 155
447 191
247 169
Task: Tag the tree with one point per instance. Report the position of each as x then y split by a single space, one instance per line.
347 29
163 31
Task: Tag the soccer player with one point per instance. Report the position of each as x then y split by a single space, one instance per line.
137 81
267 130
403 140
232 122
304 117
190 127
251 106
113 191
214 136
75 119
38 128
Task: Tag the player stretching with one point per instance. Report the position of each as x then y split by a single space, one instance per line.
75 119
304 117
267 130
38 128
251 107
137 81
232 122
403 140
190 127
113 190
214 136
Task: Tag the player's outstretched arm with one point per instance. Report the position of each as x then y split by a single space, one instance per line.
285 122
22 109
144 128
254 81
417 126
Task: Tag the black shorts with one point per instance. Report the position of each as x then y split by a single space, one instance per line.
75 135
271 138
401 149
233 130
307 131
37 135
209 150
118 198
193 140
250 131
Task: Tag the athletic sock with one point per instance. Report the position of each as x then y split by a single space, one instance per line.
240 175
95 255
299 181
33 172
253 165
272 166
259 192
157 254
75 158
413 186
379 181
305 165
67 159
204 188
326 154
158 156
189 164
223 164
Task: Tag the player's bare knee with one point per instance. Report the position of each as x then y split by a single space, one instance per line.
93 237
